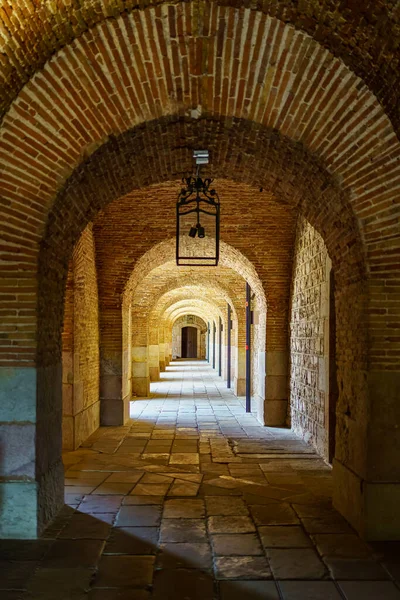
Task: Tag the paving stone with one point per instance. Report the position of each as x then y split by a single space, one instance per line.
74 553
142 500
355 568
232 524
189 509
182 584
109 488
16 574
296 564
125 571
183 530
86 526
220 505
369 590
326 525
150 489
309 590
119 594
274 514
341 544
21 550
183 488
242 567
290 536
236 544
100 504
187 555
154 478
137 516
248 590
132 540
184 459
59 584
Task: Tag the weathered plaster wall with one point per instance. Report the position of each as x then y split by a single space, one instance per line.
81 406
309 338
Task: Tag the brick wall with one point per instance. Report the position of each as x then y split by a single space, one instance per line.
81 406
309 338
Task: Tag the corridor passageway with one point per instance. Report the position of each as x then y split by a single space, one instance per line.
194 499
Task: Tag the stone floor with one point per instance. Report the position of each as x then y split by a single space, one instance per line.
194 500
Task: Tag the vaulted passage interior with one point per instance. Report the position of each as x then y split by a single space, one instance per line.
102 105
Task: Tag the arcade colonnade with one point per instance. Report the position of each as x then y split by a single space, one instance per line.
298 107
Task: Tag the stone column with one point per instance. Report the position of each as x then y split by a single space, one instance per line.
114 409
140 356
239 379
154 354
161 349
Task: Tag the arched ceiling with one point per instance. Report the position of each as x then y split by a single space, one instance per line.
365 35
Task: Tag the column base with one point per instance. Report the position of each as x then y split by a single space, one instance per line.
372 508
141 386
275 412
154 373
114 411
239 386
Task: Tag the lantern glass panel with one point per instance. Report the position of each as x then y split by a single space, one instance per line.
195 250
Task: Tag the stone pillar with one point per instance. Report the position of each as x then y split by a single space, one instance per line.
140 371
239 378
19 490
154 362
154 354
114 408
276 388
161 349
366 468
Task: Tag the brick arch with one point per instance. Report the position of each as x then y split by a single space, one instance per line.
365 37
245 152
181 320
164 252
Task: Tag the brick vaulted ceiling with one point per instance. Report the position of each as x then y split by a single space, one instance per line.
121 101
365 35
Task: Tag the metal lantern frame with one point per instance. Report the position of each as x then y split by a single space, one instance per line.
197 197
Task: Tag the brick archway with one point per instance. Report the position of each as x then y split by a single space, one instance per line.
285 131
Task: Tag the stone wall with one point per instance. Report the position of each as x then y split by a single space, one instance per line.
81 406
309 338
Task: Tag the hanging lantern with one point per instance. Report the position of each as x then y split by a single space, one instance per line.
197 220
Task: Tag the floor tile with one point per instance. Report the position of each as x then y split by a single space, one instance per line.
220 505
342 545
182 584
132 540
137 516
184 459
369 590
183 530
239 544
150 489
185 555
274 514
309 590
290 536
125 571
232 524
74 554
242 567
189 509
355 569
296 564
248 590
